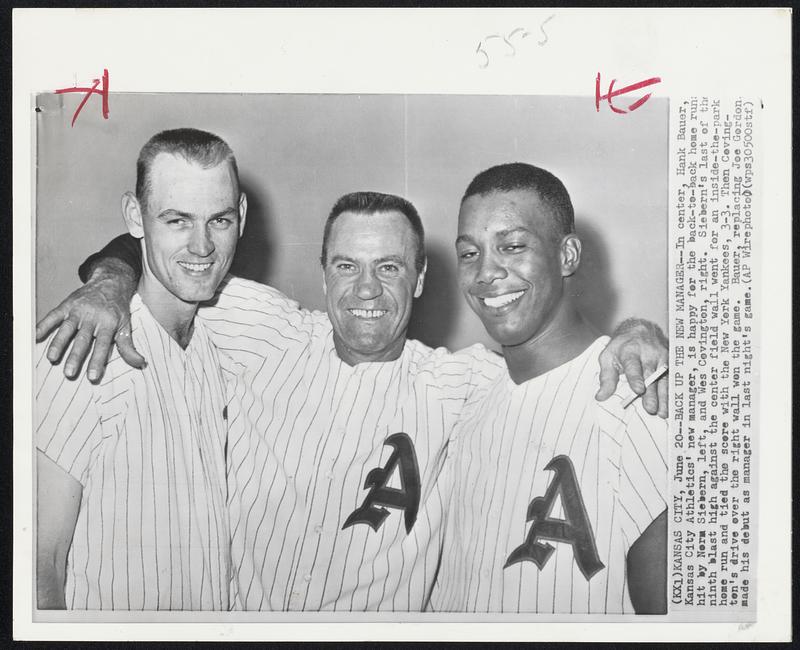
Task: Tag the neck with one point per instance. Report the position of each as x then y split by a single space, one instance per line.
564 337
172 313
353 357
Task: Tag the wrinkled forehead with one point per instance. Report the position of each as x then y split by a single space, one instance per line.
361 235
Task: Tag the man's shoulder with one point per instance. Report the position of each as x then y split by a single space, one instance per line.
476 354
233 288
241 301
467 369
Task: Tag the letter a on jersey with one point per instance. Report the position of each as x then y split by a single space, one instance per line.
574 529
406 498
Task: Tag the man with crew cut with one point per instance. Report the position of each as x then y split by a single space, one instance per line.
131 498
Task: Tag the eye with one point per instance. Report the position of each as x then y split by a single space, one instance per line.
513 248
467 255
345 267
390 269
177 222
221 223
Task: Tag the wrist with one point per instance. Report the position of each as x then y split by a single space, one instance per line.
642 328
112 268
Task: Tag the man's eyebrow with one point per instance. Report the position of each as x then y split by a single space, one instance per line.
500 233
171 212
396 259
224 212
341 258
512 231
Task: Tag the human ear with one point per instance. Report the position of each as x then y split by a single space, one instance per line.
421 279
242 212
132 213
570 254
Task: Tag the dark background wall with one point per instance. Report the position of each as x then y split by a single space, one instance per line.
298 153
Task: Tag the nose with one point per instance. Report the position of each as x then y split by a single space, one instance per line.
368 286
201 243
490 270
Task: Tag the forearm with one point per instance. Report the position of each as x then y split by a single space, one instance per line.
121 256
50 579
647 569
58 498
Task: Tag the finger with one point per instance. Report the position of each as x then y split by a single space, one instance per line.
663 397
97 363
77 355
650 399
52 319
61 340
609 378
126 349
632 368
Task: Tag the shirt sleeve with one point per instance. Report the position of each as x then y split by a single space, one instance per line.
125 248
248 321
485 366
68 425
643 470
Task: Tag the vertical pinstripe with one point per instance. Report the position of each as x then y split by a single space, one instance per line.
504 444
148 448
305 430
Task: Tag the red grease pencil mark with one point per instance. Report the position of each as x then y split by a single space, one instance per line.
89 92
622 91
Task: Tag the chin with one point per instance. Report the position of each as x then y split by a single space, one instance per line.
197 295
507 338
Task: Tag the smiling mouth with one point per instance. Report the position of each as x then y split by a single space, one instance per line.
495 302
368 314
196 268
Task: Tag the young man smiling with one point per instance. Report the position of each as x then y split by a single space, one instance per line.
559 503
131 499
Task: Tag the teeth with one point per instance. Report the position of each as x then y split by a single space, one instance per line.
367 313
502 301
196 267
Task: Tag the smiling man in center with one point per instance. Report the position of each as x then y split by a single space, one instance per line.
369 279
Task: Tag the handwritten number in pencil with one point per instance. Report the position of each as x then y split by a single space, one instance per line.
515 34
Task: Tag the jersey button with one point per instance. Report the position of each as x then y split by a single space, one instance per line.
318 529
307 577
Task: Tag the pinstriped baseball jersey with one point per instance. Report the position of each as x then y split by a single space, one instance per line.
148 447
552 489
337 474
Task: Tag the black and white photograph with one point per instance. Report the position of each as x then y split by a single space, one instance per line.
390 355
342 458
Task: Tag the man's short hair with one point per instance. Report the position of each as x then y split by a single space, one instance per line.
522 176
195 146
373 203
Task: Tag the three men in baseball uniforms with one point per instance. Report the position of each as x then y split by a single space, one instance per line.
339 426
